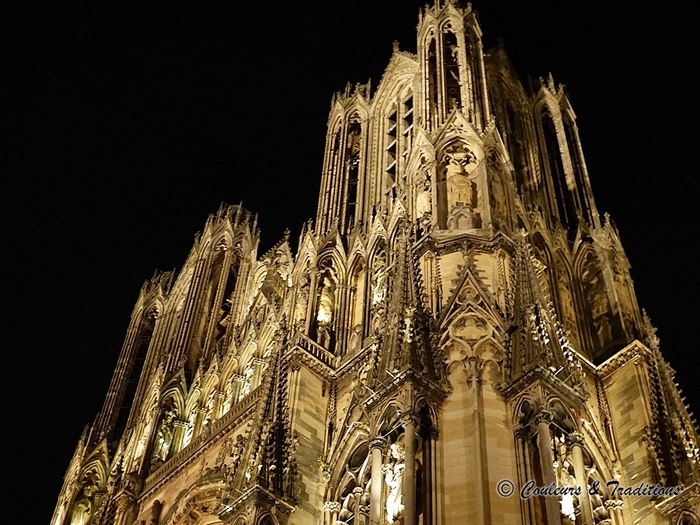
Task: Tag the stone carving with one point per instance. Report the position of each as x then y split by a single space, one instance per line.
379 281
302 302
458 173
164 439
393 476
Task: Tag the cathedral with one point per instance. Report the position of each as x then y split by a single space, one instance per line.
454 340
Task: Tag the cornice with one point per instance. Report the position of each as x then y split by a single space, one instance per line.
548 380
200 444
686 499
630 352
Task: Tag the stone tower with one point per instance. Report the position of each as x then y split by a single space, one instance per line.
458 324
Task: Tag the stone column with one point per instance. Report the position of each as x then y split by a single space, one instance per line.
409 477
334 507
238 381
576 446
178 443
544 443
124 503
430 476
257 373
614 507
198 420
375 506
327 507
525 469
360 518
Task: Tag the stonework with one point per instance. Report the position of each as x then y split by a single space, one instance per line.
457 317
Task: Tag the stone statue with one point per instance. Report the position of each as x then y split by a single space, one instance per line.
459 186
302 302
325 303
379 280
393 476
456 188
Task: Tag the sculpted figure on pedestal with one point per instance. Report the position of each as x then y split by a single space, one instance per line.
393 476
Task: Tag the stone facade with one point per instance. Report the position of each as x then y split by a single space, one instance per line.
457 318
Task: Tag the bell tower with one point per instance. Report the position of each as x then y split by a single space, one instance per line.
457 322
452 65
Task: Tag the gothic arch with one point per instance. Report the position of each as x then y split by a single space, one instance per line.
197 505
355 436
357 303
175 390
687 517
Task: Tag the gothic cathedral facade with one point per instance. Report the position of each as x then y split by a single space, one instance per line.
456 325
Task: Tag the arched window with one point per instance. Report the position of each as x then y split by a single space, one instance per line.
453 84
433 89
139 353
326 305
576 156
353 150
552 152
356 325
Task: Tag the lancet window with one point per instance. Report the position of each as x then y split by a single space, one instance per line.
515 142
598 305
576 156
326 305
391 148
216 304
379 287
140 352
473 67
562 195
433 88
453 83
352 169
356 324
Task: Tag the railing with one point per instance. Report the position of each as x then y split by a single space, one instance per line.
316 350
215 428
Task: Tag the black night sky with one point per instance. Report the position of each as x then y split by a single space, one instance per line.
128 126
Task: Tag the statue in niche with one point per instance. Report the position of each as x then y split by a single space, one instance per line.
393 476
189 428
457 171
424 203
378 318
164 437
324 316
81 513
460 188
302 302
325 303
379 279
